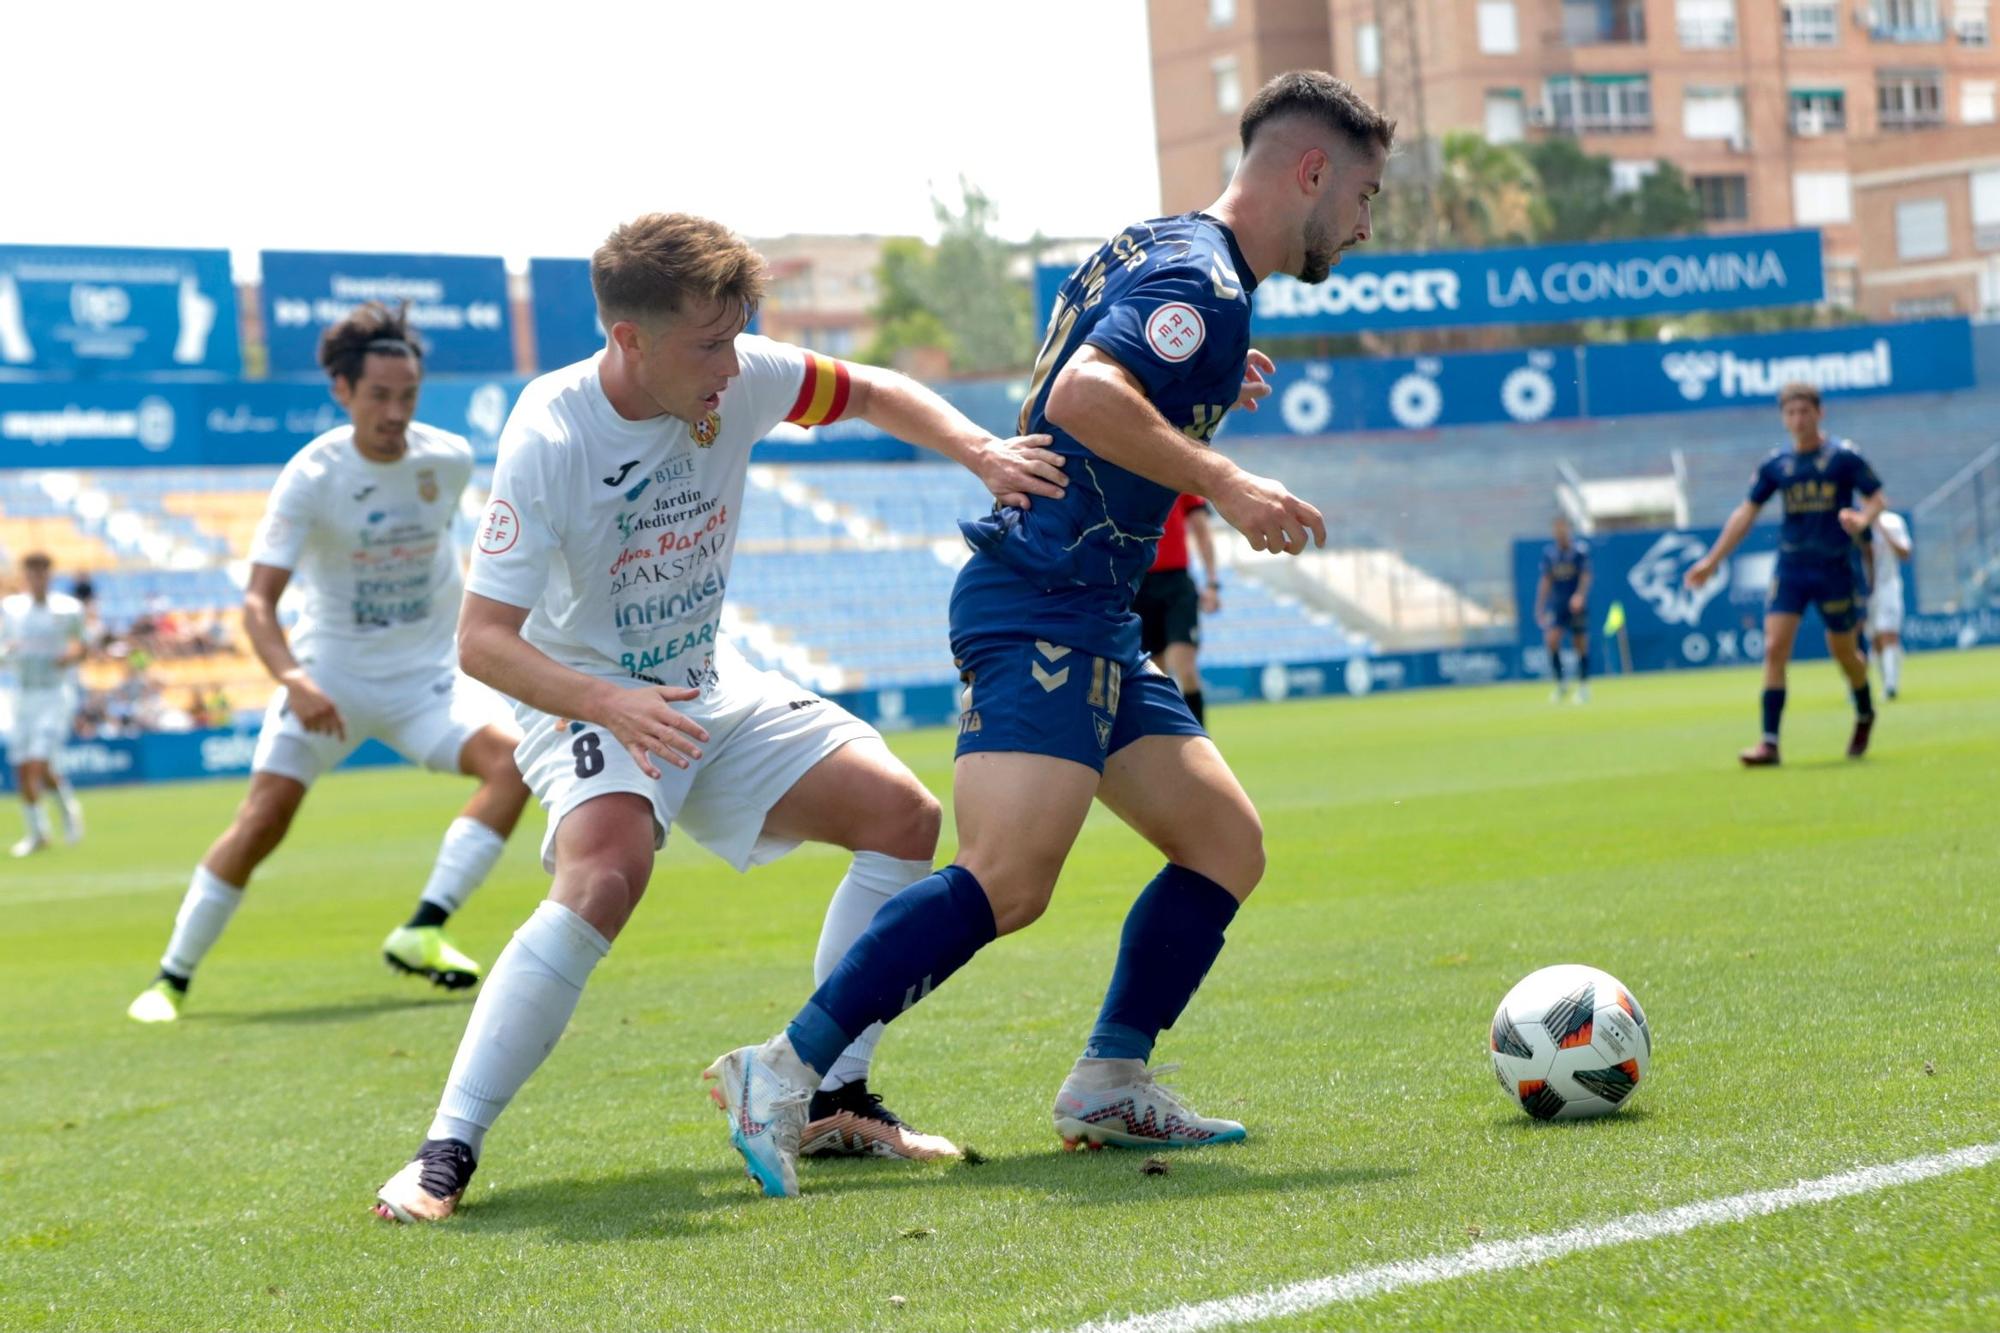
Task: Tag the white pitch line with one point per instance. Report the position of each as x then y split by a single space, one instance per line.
1298 1297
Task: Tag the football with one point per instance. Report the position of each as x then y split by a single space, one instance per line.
1570 1042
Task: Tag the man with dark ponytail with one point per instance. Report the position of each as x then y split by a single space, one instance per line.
361 520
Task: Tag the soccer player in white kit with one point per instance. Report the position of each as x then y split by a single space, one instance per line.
361 517
42 640
595 598
1889 549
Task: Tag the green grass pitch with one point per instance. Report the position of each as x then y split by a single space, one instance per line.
1815 947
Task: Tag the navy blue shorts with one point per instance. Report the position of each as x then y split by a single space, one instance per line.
1830 587
1028 696
1565 621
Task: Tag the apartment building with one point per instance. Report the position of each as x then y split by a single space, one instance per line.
1764 104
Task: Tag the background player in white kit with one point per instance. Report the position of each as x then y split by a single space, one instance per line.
614 514
1887 552
362 516
41 640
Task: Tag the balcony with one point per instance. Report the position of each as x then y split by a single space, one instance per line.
1908 34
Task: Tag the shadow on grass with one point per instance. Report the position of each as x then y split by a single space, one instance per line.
1617 1122
345 1011
668 1201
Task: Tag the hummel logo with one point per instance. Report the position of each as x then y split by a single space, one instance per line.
364 492
623 472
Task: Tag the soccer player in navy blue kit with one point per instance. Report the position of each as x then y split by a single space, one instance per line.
1562 598
1147 350
1819 477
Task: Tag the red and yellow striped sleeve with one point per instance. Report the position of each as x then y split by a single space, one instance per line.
822 394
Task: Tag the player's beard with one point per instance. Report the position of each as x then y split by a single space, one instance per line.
1320 253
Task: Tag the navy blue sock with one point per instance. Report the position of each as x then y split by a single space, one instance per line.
1774 708
1583 664
1864 701
1556 664
918 938
1171 938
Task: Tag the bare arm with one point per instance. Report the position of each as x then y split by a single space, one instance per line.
314 710
491 649
1581 597
1542 588
1858 521
1103 406
1732 536
1204 545
1902 549
1013 470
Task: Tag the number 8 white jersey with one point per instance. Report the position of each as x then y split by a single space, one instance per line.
619 534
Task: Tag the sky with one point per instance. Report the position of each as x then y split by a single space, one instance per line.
522 129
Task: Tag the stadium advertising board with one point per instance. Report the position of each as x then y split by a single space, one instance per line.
458 303
1860 360
1416 393
1667 624
565 309
1539 284
89 310
131 423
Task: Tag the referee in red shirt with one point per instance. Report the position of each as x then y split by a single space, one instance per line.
1169 607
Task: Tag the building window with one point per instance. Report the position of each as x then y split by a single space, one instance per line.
1368 50
1499 28
1821 197
1975 102
1713 113
1600 103
1812 23
1986 210
1843 285
1230 157
1925 307
1906 21
1989 290
1506 116
1722 198
1909 99
1228 87
1706 24
1818 110
1221 13
1596 22
1627 176
1969 21
1921 230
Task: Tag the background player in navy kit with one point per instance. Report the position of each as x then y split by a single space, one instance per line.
1819 477
1167 604
1147 349
1562 598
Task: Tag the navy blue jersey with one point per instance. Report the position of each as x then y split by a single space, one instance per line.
1816 487
1565 567
1169 300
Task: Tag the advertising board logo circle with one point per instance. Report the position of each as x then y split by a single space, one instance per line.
1358 678
1416 401
1307 408
155 424
1275 682
1528 394
499 529
1175 331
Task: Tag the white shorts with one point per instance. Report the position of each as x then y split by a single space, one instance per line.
425 717
764 733
40 725
1885 612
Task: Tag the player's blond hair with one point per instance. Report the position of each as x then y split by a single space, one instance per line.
663 263
1800 390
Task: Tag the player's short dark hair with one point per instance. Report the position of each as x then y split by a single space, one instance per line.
1315 93
662 263
38 561
370 329
1801 390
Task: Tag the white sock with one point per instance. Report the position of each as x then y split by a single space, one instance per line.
209 904
1892 666
38 828
872 880
464 860
66 805
524 1005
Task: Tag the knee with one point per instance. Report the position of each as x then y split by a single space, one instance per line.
907 826
605 894
1229 851
1018 886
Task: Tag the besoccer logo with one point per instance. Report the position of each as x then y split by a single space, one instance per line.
1657 578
